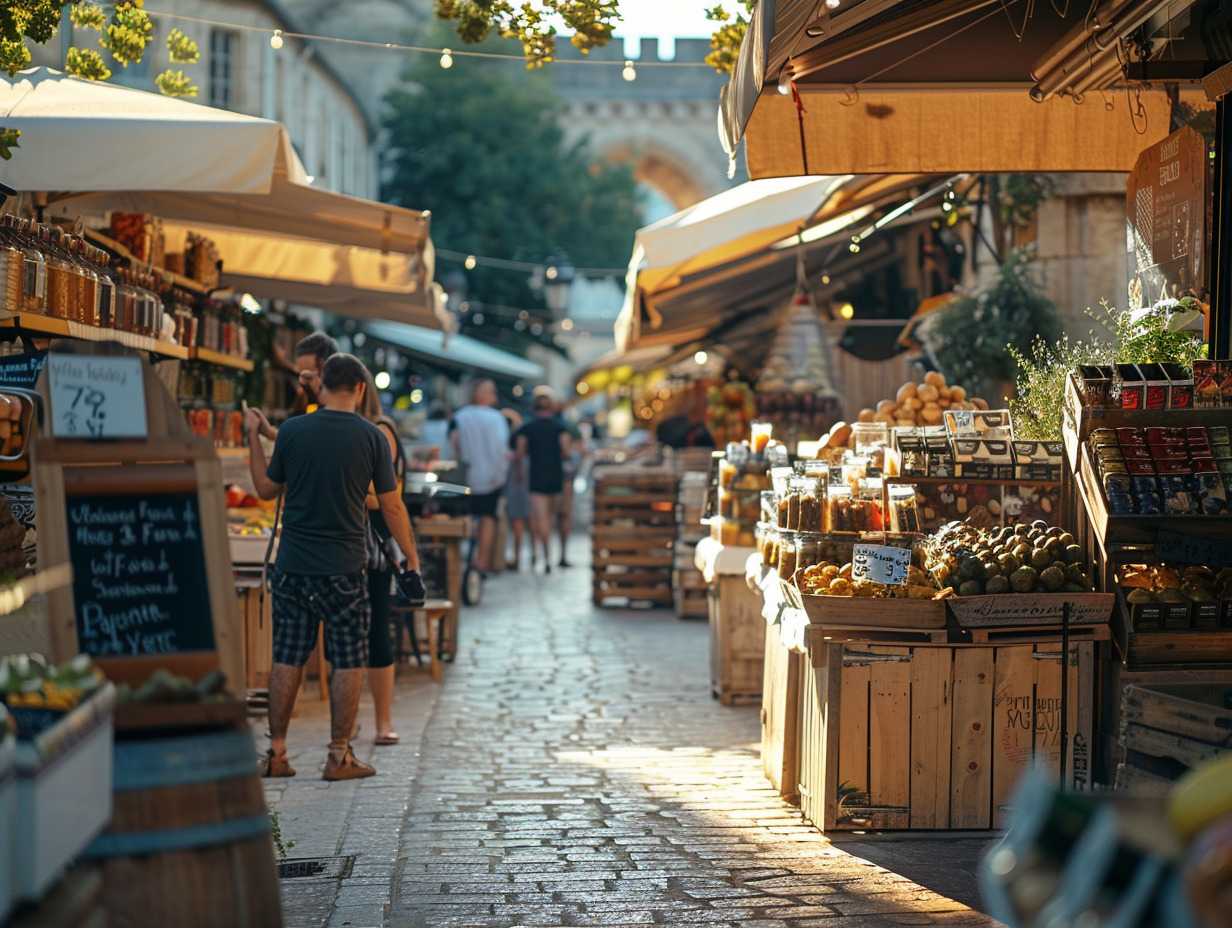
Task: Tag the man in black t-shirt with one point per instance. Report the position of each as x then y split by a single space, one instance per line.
326 462
541 446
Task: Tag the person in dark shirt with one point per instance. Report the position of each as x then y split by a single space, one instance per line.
325 462
541 446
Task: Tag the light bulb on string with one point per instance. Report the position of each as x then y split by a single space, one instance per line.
825 279
446 58
832 4
276 40
629 72
847 311
854 247
470 262
785 80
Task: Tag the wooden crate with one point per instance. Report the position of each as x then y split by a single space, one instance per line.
935 736
780 716
255 614
737 641
1167 729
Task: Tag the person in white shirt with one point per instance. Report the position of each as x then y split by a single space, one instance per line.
480 438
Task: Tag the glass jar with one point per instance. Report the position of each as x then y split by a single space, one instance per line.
870 438
12 268
759 436
34 284
904 515
812 503
787 557
60 277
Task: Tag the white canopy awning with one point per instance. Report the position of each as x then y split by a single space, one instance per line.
458 351
738 224
90 135
95 148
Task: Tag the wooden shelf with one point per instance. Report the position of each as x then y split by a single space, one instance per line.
988 482
217 357
171 277
52 327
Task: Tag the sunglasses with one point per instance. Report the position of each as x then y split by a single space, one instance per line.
308 376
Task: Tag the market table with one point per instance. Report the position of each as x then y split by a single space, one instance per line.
439 539
737 632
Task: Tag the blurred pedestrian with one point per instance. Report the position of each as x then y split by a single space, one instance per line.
381 668
480 438
435 431
543 444
517 495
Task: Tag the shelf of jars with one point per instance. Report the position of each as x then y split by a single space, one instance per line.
59 285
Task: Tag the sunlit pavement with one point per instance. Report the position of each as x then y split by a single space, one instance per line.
574 770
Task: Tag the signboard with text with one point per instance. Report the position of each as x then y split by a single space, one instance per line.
96 396
881 564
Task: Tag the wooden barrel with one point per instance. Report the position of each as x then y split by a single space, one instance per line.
189 841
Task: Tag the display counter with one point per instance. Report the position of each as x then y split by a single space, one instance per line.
737 631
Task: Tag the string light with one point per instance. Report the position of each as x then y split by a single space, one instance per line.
700 358
446 59
505 264
629 72
785 80
470 262
832 4
854 247
847 311
276 40
825 279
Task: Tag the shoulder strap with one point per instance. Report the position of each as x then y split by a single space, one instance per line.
399 453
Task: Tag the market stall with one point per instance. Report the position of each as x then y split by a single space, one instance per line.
122 389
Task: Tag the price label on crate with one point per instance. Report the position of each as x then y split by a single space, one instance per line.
96 396
1192 549
880 564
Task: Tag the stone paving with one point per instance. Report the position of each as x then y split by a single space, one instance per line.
573 770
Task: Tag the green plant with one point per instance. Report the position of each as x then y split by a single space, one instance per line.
1149 335
1038 404
972 337
276 831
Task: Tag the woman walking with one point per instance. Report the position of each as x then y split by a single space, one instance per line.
517 494
380 579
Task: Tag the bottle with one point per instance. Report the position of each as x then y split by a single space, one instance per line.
106 288
34 282
60 283
12 269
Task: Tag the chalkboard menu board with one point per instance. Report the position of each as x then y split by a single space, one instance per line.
139 584
22 370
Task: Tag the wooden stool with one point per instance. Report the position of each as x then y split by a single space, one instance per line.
434 611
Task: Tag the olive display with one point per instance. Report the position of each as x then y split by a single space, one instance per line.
1035 558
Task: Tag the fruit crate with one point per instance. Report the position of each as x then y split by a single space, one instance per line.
925 736
633 536
1168 729
64 795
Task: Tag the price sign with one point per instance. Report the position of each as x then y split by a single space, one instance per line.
1191 549
880 564
96 397
22 370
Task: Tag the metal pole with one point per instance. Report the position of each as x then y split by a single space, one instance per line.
1221 222
1064 780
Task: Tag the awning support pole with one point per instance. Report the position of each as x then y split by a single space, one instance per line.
1220 322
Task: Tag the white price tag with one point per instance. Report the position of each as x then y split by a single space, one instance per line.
96 397
880 564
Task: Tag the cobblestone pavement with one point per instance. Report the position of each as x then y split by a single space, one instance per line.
574 770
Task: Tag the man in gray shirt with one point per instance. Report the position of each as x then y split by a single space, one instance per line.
326 461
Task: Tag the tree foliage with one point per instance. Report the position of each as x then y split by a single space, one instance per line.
592 22
124 37
482 148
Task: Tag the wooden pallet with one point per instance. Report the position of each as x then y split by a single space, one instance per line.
1168 729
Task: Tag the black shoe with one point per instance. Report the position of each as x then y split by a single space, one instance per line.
564 563
547 568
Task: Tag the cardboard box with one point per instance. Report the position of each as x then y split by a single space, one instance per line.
983 459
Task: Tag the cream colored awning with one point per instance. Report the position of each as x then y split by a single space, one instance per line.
949 85
356 282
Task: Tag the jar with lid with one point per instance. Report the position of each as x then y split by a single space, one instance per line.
61 283
904 513
34 283
787 557
870 437
812 502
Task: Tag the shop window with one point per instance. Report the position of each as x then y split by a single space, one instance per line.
224 49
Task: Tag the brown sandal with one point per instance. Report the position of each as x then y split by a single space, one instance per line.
389 738
271 766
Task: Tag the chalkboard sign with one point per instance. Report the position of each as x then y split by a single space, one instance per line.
139 584
22 370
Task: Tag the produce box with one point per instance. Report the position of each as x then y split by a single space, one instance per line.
878 612
1167 729
1013 610
63 791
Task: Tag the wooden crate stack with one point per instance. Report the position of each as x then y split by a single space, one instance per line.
688 584
1168 728
634 532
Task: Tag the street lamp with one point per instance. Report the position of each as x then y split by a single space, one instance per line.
557 282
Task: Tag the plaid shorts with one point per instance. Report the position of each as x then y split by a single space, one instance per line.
302 601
